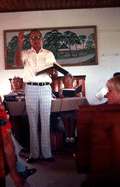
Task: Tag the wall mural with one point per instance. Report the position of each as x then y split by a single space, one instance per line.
72 46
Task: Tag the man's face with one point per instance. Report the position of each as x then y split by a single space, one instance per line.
36 40
68 82
16 84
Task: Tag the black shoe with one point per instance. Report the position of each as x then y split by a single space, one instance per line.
27 173
31 160
50 159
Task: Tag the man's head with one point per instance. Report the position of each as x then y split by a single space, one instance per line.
16 83
116 74
113 86
36 39
68 81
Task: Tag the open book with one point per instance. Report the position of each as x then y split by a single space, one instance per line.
71 92
54 65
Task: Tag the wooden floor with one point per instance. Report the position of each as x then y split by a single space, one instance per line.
60 173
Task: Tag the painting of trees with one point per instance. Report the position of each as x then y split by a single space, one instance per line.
71 46
52 41
71 39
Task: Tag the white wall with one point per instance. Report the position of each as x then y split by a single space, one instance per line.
108 36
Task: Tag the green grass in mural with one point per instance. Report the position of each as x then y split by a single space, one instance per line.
88 61
81 53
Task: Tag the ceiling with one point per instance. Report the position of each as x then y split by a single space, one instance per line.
36 5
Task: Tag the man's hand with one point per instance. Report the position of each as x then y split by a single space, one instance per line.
49 71
78 95
52 73
20 37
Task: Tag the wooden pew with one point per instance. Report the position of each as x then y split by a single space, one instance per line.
98 149
57 83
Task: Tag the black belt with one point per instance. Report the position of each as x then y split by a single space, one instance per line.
38 83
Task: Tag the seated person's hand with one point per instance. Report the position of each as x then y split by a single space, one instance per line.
78 95
62 96
22 97
21 93
14 94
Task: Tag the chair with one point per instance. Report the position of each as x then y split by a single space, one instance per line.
98 149
57 83
22 83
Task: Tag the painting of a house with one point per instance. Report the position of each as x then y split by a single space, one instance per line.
71 46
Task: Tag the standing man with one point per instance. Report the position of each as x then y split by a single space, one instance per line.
38 93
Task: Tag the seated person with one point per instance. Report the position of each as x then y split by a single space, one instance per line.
68 84
17 92
114 75
18 171
69 118
113 94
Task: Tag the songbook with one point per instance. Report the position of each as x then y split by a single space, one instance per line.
71 92
9 97
78 89
54 65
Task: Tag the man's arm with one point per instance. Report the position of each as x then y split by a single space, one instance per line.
18 55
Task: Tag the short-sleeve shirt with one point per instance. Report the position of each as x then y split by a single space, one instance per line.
20 91
33 61
4 122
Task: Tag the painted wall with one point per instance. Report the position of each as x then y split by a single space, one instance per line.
108 36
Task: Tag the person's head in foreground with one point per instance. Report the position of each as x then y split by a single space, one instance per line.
113 94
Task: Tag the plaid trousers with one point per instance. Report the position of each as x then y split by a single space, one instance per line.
38 100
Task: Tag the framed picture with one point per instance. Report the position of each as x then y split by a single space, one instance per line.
72 46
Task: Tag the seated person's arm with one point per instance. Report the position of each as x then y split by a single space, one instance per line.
9 149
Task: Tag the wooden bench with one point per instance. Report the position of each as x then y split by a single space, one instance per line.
98 149
57 83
